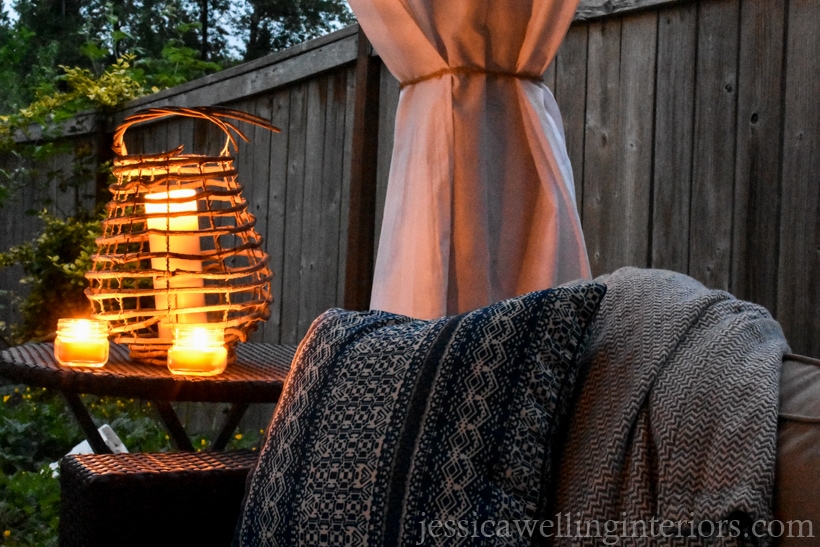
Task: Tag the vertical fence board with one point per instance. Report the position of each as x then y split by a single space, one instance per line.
601 161
259 179
618 141
570 94
245 160
757 189
174 135
330 208
798 308
363 158
203 141
635 140
17 229
154 138
275 233
549 76
310 293
187 130
134 140
346 181
83 167
259 149
333 229
713 174
673 138
388 104
58 167
86 149
294 205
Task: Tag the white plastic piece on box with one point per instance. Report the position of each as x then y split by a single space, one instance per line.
112 441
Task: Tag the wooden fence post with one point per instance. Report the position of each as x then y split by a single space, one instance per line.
364 159
102 140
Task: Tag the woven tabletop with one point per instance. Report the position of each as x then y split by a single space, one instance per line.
256 376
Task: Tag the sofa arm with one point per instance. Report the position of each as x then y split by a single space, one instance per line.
797 487
174 498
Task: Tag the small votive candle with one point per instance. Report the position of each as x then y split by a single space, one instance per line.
198 350
81 343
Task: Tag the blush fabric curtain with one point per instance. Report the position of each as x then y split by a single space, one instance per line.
480 202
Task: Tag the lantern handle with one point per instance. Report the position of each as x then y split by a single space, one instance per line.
214 114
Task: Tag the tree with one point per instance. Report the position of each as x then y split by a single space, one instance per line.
54 23
163 36
146 28
212 28
273 25
13 47
172 41
26 63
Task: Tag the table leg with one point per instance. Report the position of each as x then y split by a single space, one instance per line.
86 423
231 421
174 426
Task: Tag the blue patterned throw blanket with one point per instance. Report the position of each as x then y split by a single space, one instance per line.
398 431
673 438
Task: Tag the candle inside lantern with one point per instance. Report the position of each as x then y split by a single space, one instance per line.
198 350
81 343
171 204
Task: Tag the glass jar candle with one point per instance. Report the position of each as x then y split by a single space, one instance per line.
81 343
198 350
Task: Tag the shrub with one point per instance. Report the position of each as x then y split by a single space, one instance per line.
54 265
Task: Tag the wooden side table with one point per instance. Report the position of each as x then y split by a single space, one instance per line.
257 376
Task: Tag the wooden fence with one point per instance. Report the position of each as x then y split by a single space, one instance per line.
692 127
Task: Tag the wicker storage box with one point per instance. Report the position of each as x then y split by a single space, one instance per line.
174 498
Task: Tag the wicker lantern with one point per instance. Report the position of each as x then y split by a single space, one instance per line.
178 244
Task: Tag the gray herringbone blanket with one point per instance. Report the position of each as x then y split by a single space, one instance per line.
674 434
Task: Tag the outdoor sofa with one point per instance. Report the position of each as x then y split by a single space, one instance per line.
641 399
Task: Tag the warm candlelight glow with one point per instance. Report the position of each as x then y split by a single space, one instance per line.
165 203
81 343
198 350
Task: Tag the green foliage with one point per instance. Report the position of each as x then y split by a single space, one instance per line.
16 48
112 88
54 266
92 35
29 508
36 430
81 91
159 33
145 27
166 42
177 64
103 83
84 91
42 37
54 263
55 24
53 76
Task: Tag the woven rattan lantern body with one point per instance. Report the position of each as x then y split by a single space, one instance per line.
178 244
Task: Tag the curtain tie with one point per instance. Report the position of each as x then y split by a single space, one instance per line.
470 70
